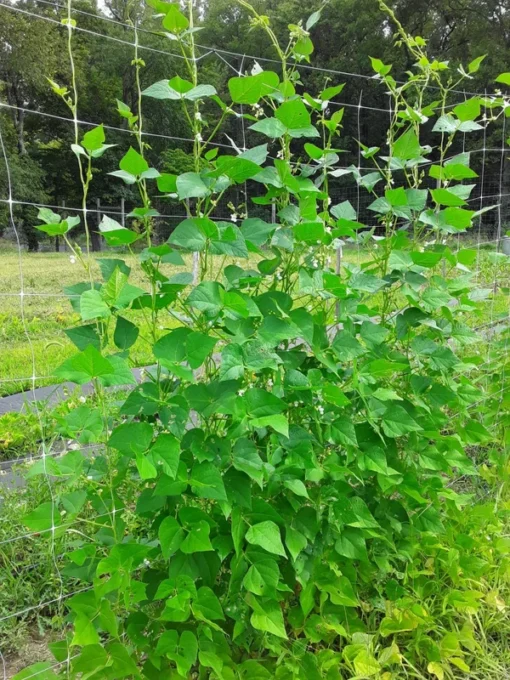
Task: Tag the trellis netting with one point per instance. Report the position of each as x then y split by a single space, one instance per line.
485 241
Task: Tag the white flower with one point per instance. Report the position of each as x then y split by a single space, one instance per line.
233 217
328 230
198 115
321 410
241 393
146 563
82 399
270 383
279 276
280 154
315 263
256 68
296 404
72 259
330 200
89 478
198 137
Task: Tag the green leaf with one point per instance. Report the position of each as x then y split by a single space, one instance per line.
207 482
175 21
295 542
133 163
92 306
346 347
468 110
293 114
297 487
267 536
262 578
271 127
126 333
207 606
341 592
93 139
200 92
365 664
343 432
171 535
312 20
84 366
396 422
166 453
474 65
197 539
207 297
41 670
503 78
251 89
162 90
246 459
115 234
198 347
191 185
189 235
278 422
354 513
260 403
59 228
407 146
445 197
42 518
82 336
84 632
267 616
131 438
351 544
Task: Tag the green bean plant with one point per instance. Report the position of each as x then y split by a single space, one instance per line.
295 444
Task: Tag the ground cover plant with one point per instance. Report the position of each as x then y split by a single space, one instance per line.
282 497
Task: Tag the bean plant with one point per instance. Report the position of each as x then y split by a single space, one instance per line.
291 452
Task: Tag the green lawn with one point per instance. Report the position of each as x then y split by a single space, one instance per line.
38 345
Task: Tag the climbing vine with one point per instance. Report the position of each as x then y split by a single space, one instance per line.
294 445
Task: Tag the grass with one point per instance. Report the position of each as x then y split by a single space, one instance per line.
32 340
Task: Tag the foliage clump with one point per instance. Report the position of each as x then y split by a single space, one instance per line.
296 440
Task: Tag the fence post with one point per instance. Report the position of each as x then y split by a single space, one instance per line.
122 213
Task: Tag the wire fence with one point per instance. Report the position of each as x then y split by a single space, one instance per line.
26 299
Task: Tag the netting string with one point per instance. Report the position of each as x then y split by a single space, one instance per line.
31 350
105 126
